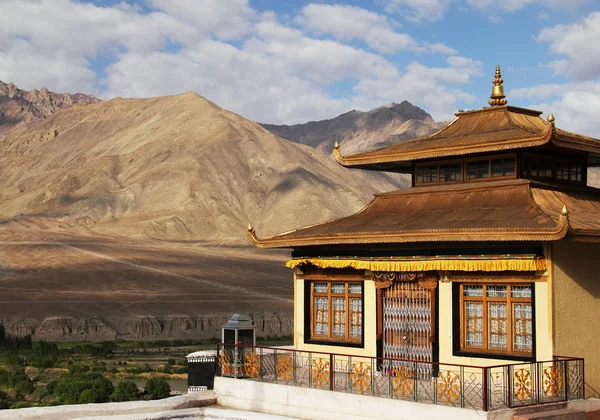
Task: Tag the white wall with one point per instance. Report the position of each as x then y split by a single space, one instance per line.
317 404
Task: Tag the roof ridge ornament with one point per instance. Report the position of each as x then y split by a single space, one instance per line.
498 96
551 120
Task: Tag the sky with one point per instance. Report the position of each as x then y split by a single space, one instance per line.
288 62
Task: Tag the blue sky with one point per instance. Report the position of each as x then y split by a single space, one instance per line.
295 61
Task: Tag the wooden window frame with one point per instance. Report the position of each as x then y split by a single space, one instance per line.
312 318
463 171
569 162
510 334
437 164
489 160
555 161
537 157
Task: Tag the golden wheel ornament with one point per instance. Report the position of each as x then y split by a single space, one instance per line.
252 364
284 368
448 386
320 372
522 384
402 381
361 376
552 381
225 363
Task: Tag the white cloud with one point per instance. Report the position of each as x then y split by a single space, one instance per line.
419 10
245 61
574 104
435 88
579 43
348 23
227 19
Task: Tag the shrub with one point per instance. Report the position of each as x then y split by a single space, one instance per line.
157 388
126 391
86 397
171 362
24 387
69 387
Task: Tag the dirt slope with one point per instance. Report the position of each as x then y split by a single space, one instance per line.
176 167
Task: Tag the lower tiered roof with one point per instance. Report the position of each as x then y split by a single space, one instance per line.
512 210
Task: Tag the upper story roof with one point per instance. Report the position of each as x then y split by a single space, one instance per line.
497 128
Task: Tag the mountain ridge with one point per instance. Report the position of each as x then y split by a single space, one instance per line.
361 130
18 106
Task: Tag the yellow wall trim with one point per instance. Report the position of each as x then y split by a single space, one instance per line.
446 264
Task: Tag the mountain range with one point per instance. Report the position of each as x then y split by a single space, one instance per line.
177 167
359 131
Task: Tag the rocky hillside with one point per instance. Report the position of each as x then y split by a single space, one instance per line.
358 131
142 328
176 167
20 106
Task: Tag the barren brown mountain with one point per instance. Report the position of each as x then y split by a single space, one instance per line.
176 167
359 131
108 211
20 106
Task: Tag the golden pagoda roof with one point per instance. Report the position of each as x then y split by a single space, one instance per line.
512 210
499 128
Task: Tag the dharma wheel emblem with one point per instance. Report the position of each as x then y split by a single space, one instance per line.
402 381
252 364
522 385
552 381
320 372
284 368
448 386
361 376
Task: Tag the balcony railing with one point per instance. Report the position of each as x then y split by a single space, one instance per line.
474 387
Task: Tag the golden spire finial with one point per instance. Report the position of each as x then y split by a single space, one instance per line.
250 228
498 96
564 211
336 145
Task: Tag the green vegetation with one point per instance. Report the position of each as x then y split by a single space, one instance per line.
157 388
126 391
45 374
80 386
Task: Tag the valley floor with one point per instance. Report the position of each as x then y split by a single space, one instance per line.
65 287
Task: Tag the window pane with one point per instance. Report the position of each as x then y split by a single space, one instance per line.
320 287
426 174
478 169
338 288
450 172
520 291
497 167
469 290
339 316
355 288
474 324
355 318
522 324
321 316
496 291
497 325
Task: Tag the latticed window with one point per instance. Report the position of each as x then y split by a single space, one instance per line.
336 311
496 318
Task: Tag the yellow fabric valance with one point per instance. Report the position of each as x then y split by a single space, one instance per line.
429 264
